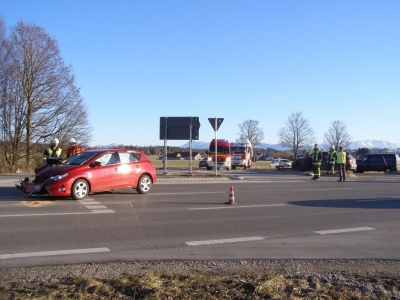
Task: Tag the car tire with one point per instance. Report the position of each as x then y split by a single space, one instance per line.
209 168
359 171
80 189
144 184
387 170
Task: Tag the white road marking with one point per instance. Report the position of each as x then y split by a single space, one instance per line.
53 253
225 241
91 207
89 202
44 215
344 230
95 206
330 189
103 211
241 206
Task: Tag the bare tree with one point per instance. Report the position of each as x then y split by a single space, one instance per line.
40 93
297 133
337 135
249 130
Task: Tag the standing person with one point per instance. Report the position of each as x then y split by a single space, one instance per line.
52 150
331 157
341 162
74 148
316 156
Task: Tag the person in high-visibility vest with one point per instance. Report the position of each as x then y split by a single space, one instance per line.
52 151
331 161
341 162
316 156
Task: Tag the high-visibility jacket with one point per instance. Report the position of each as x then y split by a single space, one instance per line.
50 152
331 156
341 157
316 156
74 150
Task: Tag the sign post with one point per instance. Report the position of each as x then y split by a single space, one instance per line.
215 123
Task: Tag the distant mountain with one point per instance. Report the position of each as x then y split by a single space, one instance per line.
353 146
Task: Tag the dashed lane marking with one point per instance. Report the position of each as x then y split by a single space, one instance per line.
345 230
53 253
226 241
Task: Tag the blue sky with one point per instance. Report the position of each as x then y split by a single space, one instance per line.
137 61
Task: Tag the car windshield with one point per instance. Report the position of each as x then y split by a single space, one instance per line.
220 149
81 158
237 150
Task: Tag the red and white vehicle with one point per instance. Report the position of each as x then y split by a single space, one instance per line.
224 156
241 155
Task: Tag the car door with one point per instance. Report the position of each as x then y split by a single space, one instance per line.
105 177
129 169
375 163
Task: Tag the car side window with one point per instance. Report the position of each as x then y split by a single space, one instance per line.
363 158
108 159
389 158
376 158
127 157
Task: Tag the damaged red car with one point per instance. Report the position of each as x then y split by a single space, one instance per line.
93 171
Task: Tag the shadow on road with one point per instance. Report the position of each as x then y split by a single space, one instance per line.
373 203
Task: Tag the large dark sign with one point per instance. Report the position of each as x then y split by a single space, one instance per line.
178 128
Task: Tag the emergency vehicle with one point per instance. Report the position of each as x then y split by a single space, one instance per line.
223 155
241 155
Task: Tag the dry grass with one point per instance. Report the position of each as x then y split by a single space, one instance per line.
184 164
206 286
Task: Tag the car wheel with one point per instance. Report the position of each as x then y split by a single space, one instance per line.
234 167
387 170
80 189
359 171
144 184
209 168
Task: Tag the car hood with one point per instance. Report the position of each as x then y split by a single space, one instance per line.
56 170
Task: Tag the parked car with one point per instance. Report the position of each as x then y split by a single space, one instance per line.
94 171
203 163
281 163
305 163
385 162
284 164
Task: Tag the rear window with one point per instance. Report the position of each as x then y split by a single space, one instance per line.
389 158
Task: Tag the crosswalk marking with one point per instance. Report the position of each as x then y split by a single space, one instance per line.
95 206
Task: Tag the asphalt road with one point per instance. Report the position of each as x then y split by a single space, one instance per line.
276 215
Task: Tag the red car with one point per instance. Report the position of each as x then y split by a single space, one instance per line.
93 171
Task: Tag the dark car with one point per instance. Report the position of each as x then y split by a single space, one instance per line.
203 163
305 163
384 162
94 171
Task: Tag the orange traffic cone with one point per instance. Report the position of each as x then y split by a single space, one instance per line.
231 197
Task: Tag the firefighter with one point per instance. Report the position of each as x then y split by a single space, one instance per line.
74 148
341 162
331 157
316 157
52 150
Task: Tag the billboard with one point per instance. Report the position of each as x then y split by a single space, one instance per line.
178 128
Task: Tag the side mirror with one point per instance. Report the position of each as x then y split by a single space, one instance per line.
96 164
